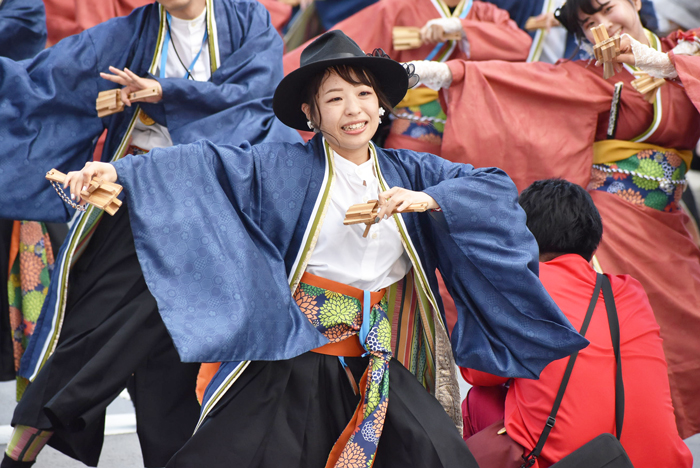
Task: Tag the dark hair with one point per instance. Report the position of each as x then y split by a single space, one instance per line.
562 217
568 14
354 75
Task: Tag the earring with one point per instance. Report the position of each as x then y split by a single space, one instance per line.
310 124
381 114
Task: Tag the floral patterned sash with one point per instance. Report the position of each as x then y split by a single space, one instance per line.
649 178
340 311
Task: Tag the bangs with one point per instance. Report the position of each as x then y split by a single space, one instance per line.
568 14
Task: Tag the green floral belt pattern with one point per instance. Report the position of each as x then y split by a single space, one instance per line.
649 178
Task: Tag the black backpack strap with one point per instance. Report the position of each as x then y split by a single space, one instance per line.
614 325
530 458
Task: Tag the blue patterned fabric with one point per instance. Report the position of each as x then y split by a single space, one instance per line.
22 28
332 12
48 117
217 230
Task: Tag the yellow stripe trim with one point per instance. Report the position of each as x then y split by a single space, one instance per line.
610 151
418 97
316 222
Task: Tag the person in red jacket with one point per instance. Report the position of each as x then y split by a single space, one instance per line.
568 229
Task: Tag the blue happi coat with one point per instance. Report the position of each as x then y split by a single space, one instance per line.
22 28
224 233
48 117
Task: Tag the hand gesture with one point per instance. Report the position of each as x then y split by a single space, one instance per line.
436 29
132 83
397 199
79 180
626 54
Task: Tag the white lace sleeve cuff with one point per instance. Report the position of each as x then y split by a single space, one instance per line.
434 75
649 60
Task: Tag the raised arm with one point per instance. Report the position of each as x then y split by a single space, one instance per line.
507 323
22 28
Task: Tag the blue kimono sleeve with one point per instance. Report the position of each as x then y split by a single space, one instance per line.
238 98
507 323
22 28
47 119
220 283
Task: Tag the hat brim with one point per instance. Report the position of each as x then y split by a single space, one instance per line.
391 77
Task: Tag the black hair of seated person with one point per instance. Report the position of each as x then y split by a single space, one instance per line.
562 217
568 13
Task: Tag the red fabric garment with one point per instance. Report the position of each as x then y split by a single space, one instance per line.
67 17
649 433
491 33
280 13
537 121
553 114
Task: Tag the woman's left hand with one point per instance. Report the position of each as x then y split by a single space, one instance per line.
397 199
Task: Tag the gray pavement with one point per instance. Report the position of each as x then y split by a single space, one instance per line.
121 447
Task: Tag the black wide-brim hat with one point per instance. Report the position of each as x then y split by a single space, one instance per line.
334 48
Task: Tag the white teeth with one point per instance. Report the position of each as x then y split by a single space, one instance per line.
354 126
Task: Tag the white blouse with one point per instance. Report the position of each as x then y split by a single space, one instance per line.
186 36
341 253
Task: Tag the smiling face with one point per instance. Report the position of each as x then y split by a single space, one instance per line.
348 114
618 17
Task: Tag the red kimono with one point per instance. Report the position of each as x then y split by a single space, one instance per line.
649 433
538 121
490 33
280 13
67 17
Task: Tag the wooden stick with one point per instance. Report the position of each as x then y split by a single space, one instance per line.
606 48
99 193
534 23
144 93
367 213
406 37
647 85
409 37
109 102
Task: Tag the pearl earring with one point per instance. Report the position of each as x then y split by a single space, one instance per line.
381 114
310 124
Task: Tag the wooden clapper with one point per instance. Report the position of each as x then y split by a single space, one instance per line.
606 48
367 213
408 37
647 85
99 193
110 102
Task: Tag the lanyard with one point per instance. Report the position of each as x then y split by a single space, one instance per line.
164 54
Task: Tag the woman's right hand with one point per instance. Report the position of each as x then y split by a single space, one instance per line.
79 180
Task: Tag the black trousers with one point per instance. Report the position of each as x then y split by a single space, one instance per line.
290 413
112 336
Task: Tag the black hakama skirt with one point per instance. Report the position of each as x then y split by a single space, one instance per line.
112 337
290 413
